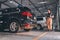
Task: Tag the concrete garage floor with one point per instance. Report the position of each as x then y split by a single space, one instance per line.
32 35
51 36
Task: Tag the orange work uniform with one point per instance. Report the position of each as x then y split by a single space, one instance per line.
49 23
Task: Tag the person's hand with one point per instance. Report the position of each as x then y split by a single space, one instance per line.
52 16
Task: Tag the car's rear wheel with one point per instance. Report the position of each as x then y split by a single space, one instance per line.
39 27
14 26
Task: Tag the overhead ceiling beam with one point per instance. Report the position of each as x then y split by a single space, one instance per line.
6 4
35 7
45 5
16 2
2 1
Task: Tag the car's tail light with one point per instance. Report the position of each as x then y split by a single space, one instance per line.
27 14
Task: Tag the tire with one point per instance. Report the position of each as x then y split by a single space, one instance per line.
39 27
27 30
14 26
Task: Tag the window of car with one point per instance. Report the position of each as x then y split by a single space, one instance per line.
39 19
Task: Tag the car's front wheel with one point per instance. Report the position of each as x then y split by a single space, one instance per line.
14 26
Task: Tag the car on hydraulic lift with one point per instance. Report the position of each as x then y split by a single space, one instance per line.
15 18
41 23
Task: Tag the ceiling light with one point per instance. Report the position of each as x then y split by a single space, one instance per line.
42 2
11 1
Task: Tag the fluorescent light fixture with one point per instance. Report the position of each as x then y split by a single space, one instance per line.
13 3
45 12
42 2
40 8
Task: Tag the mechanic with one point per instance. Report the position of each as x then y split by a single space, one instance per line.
49 20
